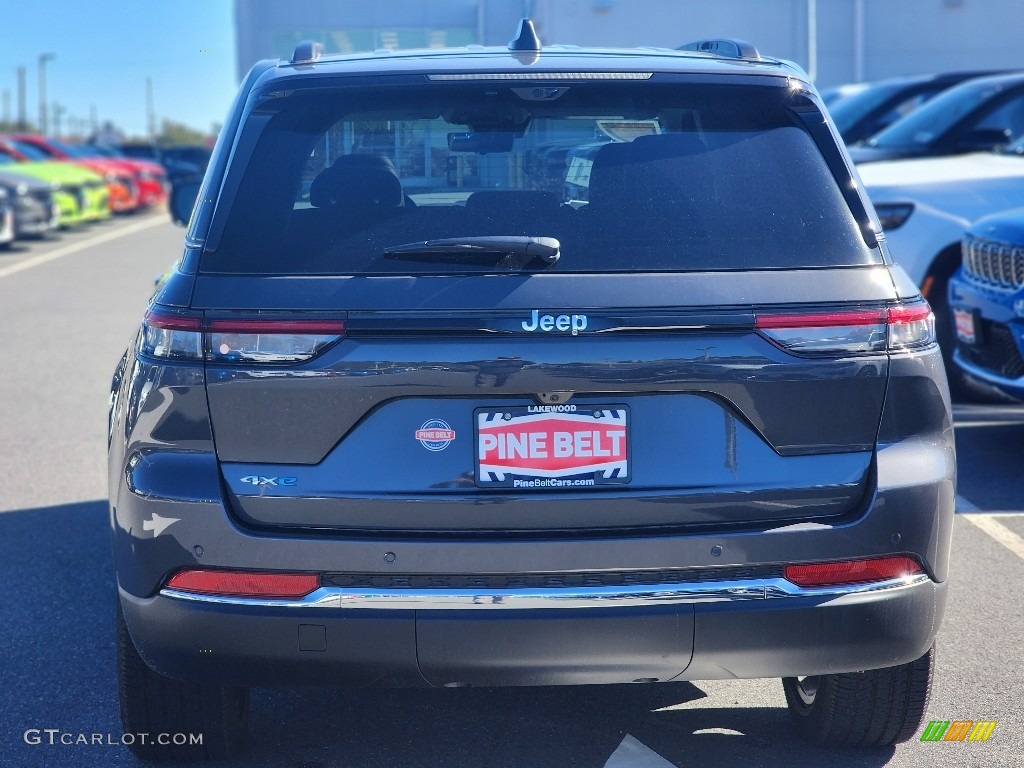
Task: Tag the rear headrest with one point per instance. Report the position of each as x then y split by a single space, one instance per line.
674 168
358 182
607 173
652 172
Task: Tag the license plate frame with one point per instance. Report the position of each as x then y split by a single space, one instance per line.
965 322
552 447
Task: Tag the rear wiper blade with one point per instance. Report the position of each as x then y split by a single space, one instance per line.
477 250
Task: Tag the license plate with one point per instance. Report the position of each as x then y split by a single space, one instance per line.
539 447
966 325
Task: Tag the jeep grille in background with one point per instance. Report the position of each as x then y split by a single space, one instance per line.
993 264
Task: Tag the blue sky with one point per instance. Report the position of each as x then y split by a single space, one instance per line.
105 50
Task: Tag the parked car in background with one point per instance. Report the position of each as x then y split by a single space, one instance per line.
982 114
832 96
925 206
35 210
150 177
986 299
862 114
80 194
6 219
180 161
122 184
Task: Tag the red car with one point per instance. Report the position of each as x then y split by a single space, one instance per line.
154 183
131 185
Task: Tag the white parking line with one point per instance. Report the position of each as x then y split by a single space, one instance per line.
71 248
633 753
999 532
989 524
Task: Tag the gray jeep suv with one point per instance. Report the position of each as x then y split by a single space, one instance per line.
494 367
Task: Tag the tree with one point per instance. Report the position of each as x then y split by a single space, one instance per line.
172 132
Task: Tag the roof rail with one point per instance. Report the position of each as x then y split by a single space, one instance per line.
727 47
306 52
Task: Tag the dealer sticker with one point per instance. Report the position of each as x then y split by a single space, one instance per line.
545 446
435 435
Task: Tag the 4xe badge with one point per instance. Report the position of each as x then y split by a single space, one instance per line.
435 435
275 481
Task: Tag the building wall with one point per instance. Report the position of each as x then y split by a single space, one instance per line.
896 36
899 36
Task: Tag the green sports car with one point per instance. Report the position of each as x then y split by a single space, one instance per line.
80 194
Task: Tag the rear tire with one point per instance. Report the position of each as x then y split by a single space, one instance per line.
154 704
875 708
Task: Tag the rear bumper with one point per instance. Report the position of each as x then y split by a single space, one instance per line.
732 619
742 629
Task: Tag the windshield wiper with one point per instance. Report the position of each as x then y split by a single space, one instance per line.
477 250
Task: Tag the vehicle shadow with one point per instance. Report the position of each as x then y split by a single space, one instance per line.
525 728
57 586
988 445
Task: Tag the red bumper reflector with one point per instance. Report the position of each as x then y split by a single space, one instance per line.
245 583
851 571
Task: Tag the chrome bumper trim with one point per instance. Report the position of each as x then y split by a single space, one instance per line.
552 598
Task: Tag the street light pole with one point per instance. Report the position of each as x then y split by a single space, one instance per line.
58 114
812 40
150 119
21 99
44 127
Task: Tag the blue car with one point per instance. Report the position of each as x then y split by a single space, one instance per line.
986 297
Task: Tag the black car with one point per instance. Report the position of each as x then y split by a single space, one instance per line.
978 115
181 161
412 410
862 114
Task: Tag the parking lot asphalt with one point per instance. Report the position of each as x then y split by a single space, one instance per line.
68 307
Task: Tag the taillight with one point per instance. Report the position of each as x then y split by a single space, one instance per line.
269 584
237 340
269 341
853 331
911 325
852 571
172 336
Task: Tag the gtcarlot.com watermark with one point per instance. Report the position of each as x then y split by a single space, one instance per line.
56 737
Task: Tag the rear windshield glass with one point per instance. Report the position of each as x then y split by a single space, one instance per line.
625 177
